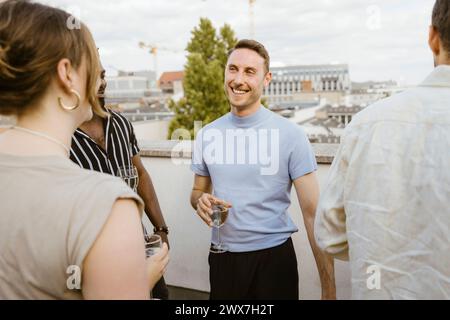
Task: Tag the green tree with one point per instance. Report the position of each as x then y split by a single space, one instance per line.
204 97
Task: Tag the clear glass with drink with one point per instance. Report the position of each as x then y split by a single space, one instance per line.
218 217
129 174
153 244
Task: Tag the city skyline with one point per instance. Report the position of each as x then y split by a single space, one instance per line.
379 40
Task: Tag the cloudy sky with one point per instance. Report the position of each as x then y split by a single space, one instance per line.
379 39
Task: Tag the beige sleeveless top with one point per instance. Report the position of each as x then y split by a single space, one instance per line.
51 212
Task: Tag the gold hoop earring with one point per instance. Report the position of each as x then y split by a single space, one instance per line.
77 95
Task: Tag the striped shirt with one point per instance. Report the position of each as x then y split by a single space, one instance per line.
120 141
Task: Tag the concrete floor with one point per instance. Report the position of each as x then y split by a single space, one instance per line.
177 293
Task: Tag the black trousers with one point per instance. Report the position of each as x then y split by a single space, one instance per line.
160 290
269 274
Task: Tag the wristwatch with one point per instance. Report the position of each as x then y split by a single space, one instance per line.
164 229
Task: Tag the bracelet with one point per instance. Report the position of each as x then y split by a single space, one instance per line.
161 229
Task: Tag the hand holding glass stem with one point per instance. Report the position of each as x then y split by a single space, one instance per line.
205 207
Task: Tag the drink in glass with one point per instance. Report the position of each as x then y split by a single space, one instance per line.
153 244
218 217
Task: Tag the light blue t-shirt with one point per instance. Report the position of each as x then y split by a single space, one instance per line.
252 162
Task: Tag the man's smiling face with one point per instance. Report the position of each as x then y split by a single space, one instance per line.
102 89
245 78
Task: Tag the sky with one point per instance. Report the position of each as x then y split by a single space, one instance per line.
378 39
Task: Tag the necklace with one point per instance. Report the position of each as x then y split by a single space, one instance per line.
45 136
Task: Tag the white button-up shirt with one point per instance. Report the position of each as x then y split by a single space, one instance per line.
386 206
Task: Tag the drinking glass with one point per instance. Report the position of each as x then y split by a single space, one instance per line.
153 244
129 174
219 216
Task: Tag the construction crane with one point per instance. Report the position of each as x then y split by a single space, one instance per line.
251 4
251 15
153 50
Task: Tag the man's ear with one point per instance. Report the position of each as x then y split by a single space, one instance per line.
267 79
434 41
65 74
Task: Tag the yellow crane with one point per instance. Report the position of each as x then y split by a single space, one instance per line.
251 15
252 18
153 50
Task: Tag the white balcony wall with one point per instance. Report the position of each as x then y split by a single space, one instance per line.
154 130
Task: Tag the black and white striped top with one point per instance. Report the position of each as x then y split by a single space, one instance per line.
120 141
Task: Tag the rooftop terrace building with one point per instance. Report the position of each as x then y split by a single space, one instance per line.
307 83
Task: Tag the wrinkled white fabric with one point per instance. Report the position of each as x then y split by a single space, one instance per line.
386 205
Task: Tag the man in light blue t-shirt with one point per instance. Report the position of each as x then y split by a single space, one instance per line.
251 157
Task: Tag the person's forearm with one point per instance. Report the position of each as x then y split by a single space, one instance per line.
195 195
324 262
147 192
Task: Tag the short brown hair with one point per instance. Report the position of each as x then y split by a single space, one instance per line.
254 46
441 21
33 39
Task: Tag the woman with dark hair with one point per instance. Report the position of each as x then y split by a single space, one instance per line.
65 232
